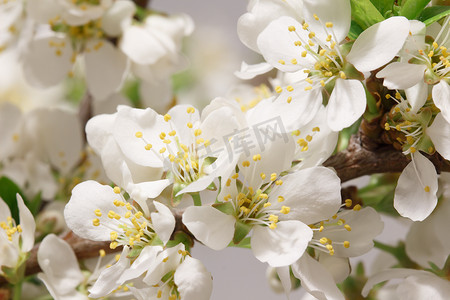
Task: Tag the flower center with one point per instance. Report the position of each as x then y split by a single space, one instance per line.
10 228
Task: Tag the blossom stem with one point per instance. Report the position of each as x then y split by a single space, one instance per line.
399 253
197 199
17 290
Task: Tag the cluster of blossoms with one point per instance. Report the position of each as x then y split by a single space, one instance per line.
141 184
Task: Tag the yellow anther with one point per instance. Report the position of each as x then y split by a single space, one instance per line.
235 176
148 147
305 25
322 52
273 218
329 37
342 75
332 45
279 182
311 43
308 88
96 222
293 61
273 176
159 294
302 143
285 210
311 34
98 213
263 176
228 182
329 247
162 135
267 204
166 141
309 80
189 125
280 199
281 62
308 138
162 150
329 24
117 190
102 253
190 110
398 127
197 132
172 133
412 149
291 28
289 88
316 17
138 134
297 43
348 202
278 89
346 226
427 189
289 99
304 53
321 228
113 235
246 163
430 54
435 45
127 214
346 244
323 240
257 157
113 245
167 117
357 207
273 226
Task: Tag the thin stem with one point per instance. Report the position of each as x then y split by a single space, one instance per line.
197 199
17 290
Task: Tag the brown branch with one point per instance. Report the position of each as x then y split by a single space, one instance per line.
142 3
364 157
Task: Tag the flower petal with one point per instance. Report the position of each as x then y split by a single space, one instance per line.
378 44
193 281
251 71
59 264
439 132
347 103
283 245
401 75
140 265
210 226
105 68
338 12
308 197
411 199
163 221
417 95
315 279
441 94
27 223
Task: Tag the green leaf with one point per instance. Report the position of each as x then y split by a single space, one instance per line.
8 191
241 231
225 207
365 14
412 9
355 31
433 14
181 237
383 6
35 204
245 243
379 193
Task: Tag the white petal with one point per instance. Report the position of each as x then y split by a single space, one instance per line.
140 265
210 226
281 246
163 221
107 281
338 12
401 75
166 261
27 223
285 278
417 95
424 286
105 68
347 103
439 132
128 122
156 94
180 118
316 279
10 129
4 211
251 71
430 232
117 16
79 212
308 197
378 44
411 200
441 94
193 281
338 267
60 265
276 44
43 67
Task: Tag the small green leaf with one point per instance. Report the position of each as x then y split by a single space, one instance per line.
433 14
245 243
412 9
383 6
241 231
225 207
8 191
355 30
365 14
181 237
